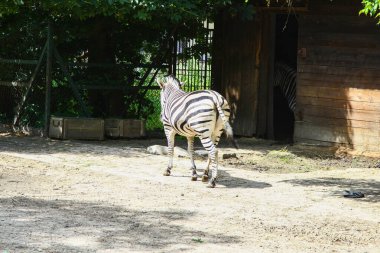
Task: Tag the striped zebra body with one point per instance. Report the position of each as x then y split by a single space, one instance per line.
285 77
202 114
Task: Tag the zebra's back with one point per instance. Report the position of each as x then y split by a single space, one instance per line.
195 113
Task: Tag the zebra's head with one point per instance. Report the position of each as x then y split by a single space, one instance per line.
167 85
171 81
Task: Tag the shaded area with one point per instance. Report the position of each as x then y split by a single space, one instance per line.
71 226
229 181
370 188
38 145
286 53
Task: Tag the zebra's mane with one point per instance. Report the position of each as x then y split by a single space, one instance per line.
173 81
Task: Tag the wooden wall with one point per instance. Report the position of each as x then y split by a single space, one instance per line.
240 66
338 87
234 70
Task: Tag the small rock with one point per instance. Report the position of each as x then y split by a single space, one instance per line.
180 152
157 150
163 150
229 155
201 153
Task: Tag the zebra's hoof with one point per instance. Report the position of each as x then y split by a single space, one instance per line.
211 184
194 177
204 178
167 173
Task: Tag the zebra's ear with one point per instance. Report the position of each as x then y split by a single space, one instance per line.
160 83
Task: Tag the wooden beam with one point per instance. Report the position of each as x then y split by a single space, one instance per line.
19 61
71 82
28 87
49 63
13 83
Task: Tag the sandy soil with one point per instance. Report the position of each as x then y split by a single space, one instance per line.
110 196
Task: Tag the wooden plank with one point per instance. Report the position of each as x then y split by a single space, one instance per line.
364 149
339 40
341 57
357 72
336 134
335 7
323 121
349 94
337 24
338 103
237 73
337 81
305 141
338 113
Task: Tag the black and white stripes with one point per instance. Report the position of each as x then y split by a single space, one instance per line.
285 78
202 114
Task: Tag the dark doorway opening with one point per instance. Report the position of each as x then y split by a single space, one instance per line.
286 54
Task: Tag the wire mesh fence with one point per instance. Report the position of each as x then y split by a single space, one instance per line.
192 66
193 61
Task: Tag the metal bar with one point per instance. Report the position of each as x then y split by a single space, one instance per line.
171 56
108 65
206 60
29 85
175 55
71 82
49 63
19 61
119 87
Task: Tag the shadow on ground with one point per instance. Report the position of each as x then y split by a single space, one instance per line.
370 188
42 146
68 226
229 181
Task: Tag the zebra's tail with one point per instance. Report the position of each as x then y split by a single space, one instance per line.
230 134
227 127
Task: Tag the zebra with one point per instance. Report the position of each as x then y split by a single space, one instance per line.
285 79
203 114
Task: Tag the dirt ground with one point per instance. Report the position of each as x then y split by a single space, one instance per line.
110 196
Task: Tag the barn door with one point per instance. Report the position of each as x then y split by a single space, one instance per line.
234 70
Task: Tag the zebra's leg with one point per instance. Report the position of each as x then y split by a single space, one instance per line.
215 139
212 153
190 149
205 173
170 134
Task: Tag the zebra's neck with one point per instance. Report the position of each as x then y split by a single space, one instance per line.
172 91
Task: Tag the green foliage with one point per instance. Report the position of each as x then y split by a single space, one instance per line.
129 33
125 10
153 121
371 8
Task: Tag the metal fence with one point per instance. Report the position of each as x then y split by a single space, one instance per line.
193 61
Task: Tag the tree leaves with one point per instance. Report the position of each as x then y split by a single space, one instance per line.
371 8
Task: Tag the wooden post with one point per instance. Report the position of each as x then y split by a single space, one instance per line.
272 47
49 61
